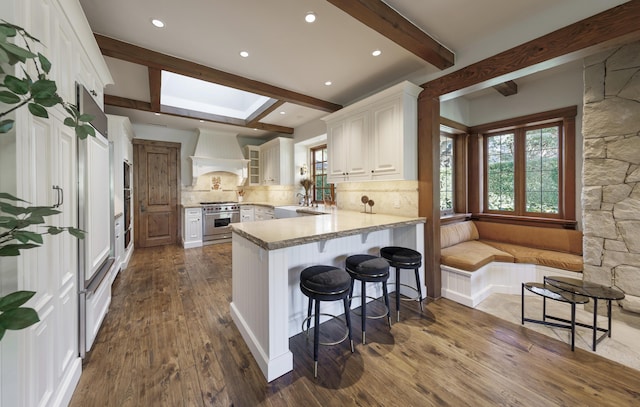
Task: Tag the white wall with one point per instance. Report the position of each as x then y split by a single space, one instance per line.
456 110
547 92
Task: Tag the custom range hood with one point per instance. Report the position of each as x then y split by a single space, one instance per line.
218 151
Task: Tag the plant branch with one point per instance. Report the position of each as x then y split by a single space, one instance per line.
16 107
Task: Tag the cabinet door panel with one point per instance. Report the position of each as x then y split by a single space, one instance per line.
386 145
337 151
358 147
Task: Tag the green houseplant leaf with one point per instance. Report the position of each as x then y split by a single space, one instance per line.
14 300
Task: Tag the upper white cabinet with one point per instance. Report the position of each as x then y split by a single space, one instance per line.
375 138
276 162
252 153
345 142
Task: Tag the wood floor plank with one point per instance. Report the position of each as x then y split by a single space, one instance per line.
169 340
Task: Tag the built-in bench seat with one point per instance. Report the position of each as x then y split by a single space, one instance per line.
479 258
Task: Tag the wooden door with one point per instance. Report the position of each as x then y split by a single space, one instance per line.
156 179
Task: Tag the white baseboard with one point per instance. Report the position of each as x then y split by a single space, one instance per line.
470 288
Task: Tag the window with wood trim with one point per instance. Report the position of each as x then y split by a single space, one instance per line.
321 190
522 170
447 180
529 166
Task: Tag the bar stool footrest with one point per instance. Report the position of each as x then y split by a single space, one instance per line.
381 299
333 317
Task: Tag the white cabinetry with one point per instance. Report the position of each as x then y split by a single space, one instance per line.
263 213
119 242
276 162
121 133
246 213
346 147
375 138
252 153
40 365
192 233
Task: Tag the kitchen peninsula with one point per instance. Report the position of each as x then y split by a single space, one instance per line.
268 256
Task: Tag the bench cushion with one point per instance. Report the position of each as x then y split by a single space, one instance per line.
550 258
457 233
471 255
560 240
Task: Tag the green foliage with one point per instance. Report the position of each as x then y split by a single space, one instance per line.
19 224
541 171
38 93
14 237
12 315
446 173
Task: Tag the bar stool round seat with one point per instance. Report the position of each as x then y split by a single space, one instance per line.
404 258
369 269
325 283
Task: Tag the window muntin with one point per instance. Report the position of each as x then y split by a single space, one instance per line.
320 189
446 173
500 172
542 170
522 171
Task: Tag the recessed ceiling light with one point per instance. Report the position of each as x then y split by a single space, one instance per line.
328 83
310 17
376 53
244 54
157 23
283 112
201 121
157 114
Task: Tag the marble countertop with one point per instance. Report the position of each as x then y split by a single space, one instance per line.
287 232
199 205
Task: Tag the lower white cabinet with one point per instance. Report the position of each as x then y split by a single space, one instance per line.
192 233
119 249
246 213
263 213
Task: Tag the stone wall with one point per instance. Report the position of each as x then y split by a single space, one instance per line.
611 171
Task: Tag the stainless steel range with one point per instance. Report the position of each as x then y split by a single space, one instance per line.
217 219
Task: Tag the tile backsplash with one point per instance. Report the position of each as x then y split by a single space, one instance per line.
211 187
390 197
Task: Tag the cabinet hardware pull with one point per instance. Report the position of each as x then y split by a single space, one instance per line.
59 196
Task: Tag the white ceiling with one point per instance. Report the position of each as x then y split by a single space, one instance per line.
287 52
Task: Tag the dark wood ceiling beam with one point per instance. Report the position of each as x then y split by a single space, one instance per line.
380 17
138 55
155 84
271 127
507 88
264 111
193 114
118 101
613 24
128 103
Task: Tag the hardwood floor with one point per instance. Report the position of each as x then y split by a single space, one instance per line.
169 340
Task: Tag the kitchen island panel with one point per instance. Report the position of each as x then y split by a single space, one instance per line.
268 306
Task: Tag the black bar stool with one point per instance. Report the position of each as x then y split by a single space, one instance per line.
404 258
325 283
372 269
